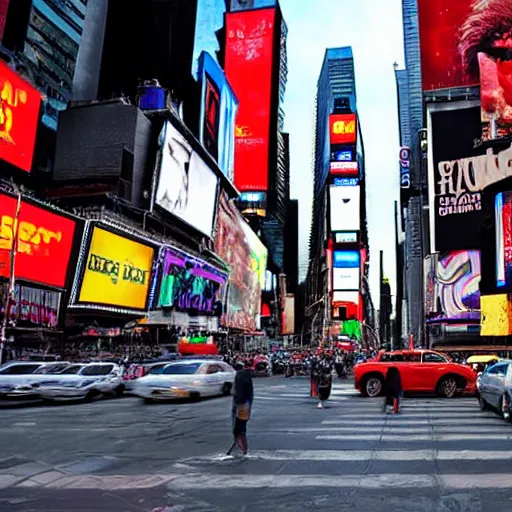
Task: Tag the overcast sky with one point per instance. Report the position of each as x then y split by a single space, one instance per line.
374 30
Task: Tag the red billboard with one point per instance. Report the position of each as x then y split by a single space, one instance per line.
248 67
343 128
19 115
445 33
44 243
344 169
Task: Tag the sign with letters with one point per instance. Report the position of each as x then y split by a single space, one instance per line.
343 128
117 271
405 167
43 243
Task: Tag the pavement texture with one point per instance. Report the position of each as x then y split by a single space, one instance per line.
121 455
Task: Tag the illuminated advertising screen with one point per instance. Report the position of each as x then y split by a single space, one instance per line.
344 169
345 208
345 182
117 271
19 116
187 187
347 259
246 256
503 212
346 238
345 279
342 154
342 128
218 114
248 67
455 202
189 284
44 243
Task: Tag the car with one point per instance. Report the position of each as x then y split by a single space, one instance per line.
420 370
17 378
82 382
495 389
192 378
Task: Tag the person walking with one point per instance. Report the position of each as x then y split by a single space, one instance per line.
393 390
324 380
242 403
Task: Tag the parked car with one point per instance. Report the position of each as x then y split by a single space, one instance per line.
495 389
192 378
17 378
421 371
136 371
82 382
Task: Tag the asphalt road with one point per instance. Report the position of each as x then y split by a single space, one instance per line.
121 455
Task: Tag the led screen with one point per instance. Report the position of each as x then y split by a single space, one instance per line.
248 66
344 169
345 208
346 182
503 211
346 238
342 154
187 187
341 297
345 279
19 116
44 243
342 128
347 259
218 114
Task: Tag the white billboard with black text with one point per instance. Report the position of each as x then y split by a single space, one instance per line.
345 206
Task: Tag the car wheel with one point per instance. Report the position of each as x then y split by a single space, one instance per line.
505 408
226 389
373 386
447 387
484 406
119 390
88 398
148 401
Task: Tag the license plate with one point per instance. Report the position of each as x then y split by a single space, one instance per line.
180 393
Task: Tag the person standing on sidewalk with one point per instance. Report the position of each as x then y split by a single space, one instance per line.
242 403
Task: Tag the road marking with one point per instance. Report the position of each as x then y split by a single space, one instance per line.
25 424
492 421
400 438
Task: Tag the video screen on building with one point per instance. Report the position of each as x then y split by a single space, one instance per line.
503 213
249 67
342 128
345 279
345 207
342 154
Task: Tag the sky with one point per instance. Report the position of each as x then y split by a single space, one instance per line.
374 30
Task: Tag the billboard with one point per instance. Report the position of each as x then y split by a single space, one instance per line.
189 284
248 66
457 283
218 114
19 116
44 241
455 201
405 167
344 169
503 213
347 259
349 237
288 315
345 208
345 279
246 256
342 153
187 187
117 271
342 128
345 182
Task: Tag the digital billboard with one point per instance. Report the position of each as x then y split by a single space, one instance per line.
248 66
405 167
342 154
19 116
347 259
344 169
346 238
455 202
345 206
44 243
187 187
246 257
342 128
503 213
346 279
345 182
218 114
189 284
117 271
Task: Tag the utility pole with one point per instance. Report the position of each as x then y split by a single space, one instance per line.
382 327
12 278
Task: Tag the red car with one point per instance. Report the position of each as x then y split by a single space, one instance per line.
421 370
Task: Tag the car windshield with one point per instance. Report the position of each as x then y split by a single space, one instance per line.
181 369
50 369
19 369
103 369
156 370
71 370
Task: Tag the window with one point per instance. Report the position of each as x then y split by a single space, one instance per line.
181 369
497 369
103 369
388 358
213 368
51 368
157 369
20 369
71 370
430 357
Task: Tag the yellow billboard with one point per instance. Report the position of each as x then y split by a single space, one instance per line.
117 271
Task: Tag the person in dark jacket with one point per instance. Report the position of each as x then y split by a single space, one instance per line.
393 390
242 402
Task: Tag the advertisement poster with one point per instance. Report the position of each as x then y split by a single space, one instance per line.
344 169
345 279
248 66
456 208
503 212
187 187
117 271
457 283
189 284
31 306
345 206
19 116
217 118
342 128
44 243
246 256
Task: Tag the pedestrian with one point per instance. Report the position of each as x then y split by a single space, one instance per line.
324 381
393 390
242 403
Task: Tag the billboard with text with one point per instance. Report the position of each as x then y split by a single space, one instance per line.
345 204
342 128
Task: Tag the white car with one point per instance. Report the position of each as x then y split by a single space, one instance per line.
82 382
192 378
17 378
